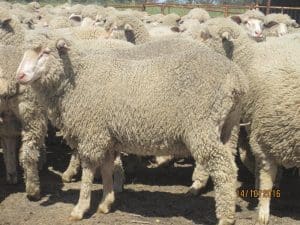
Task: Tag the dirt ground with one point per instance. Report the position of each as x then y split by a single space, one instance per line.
151 196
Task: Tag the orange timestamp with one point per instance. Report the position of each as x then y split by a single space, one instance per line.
255 193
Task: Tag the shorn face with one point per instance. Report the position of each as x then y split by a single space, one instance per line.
254 28
33 65
37 61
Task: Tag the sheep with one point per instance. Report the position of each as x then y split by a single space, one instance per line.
271 107
27 118
11 32
170 19
164 117
252 22
22 103
279 24
59 22
197 14
135 30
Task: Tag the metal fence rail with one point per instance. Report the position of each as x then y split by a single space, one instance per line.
225 10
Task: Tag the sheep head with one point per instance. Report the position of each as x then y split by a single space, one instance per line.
5 19
43 56
253 26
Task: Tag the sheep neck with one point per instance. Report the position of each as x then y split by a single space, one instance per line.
52 94
243 52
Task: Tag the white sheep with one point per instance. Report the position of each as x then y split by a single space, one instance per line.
271 106
144 107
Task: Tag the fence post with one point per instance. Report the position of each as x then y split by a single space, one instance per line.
225 10
268 7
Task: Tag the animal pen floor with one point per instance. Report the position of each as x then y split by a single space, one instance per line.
151 196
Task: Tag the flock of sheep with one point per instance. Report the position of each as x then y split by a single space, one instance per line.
151 85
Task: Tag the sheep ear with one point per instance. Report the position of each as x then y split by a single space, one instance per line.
62 45
5 21
128 27
226 35
236 19
270 24
175 29
74 17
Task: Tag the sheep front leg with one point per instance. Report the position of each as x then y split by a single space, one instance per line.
200 178
72 169
9 146
83 205
34 125
267 175
107 169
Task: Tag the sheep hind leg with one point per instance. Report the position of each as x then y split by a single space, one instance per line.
267 175
222 169
10 159
83 205
200 178
107 169
72 169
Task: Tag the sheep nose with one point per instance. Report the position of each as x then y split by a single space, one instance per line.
21 75
258 33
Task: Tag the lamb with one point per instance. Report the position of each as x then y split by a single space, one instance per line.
164 117
271 107
279 24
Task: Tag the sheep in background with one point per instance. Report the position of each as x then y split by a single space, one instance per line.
197 14
277 24
273 99
11 31
177 124
252 22
22 103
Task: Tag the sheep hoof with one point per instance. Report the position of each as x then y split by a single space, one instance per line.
195 188
76 215
33 192
34 197
263 219
12 178
74 218
103 208
226 222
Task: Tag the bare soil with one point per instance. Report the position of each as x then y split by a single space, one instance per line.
151 196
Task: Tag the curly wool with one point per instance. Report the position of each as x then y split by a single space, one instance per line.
160 117
274 81
11 33
197 14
